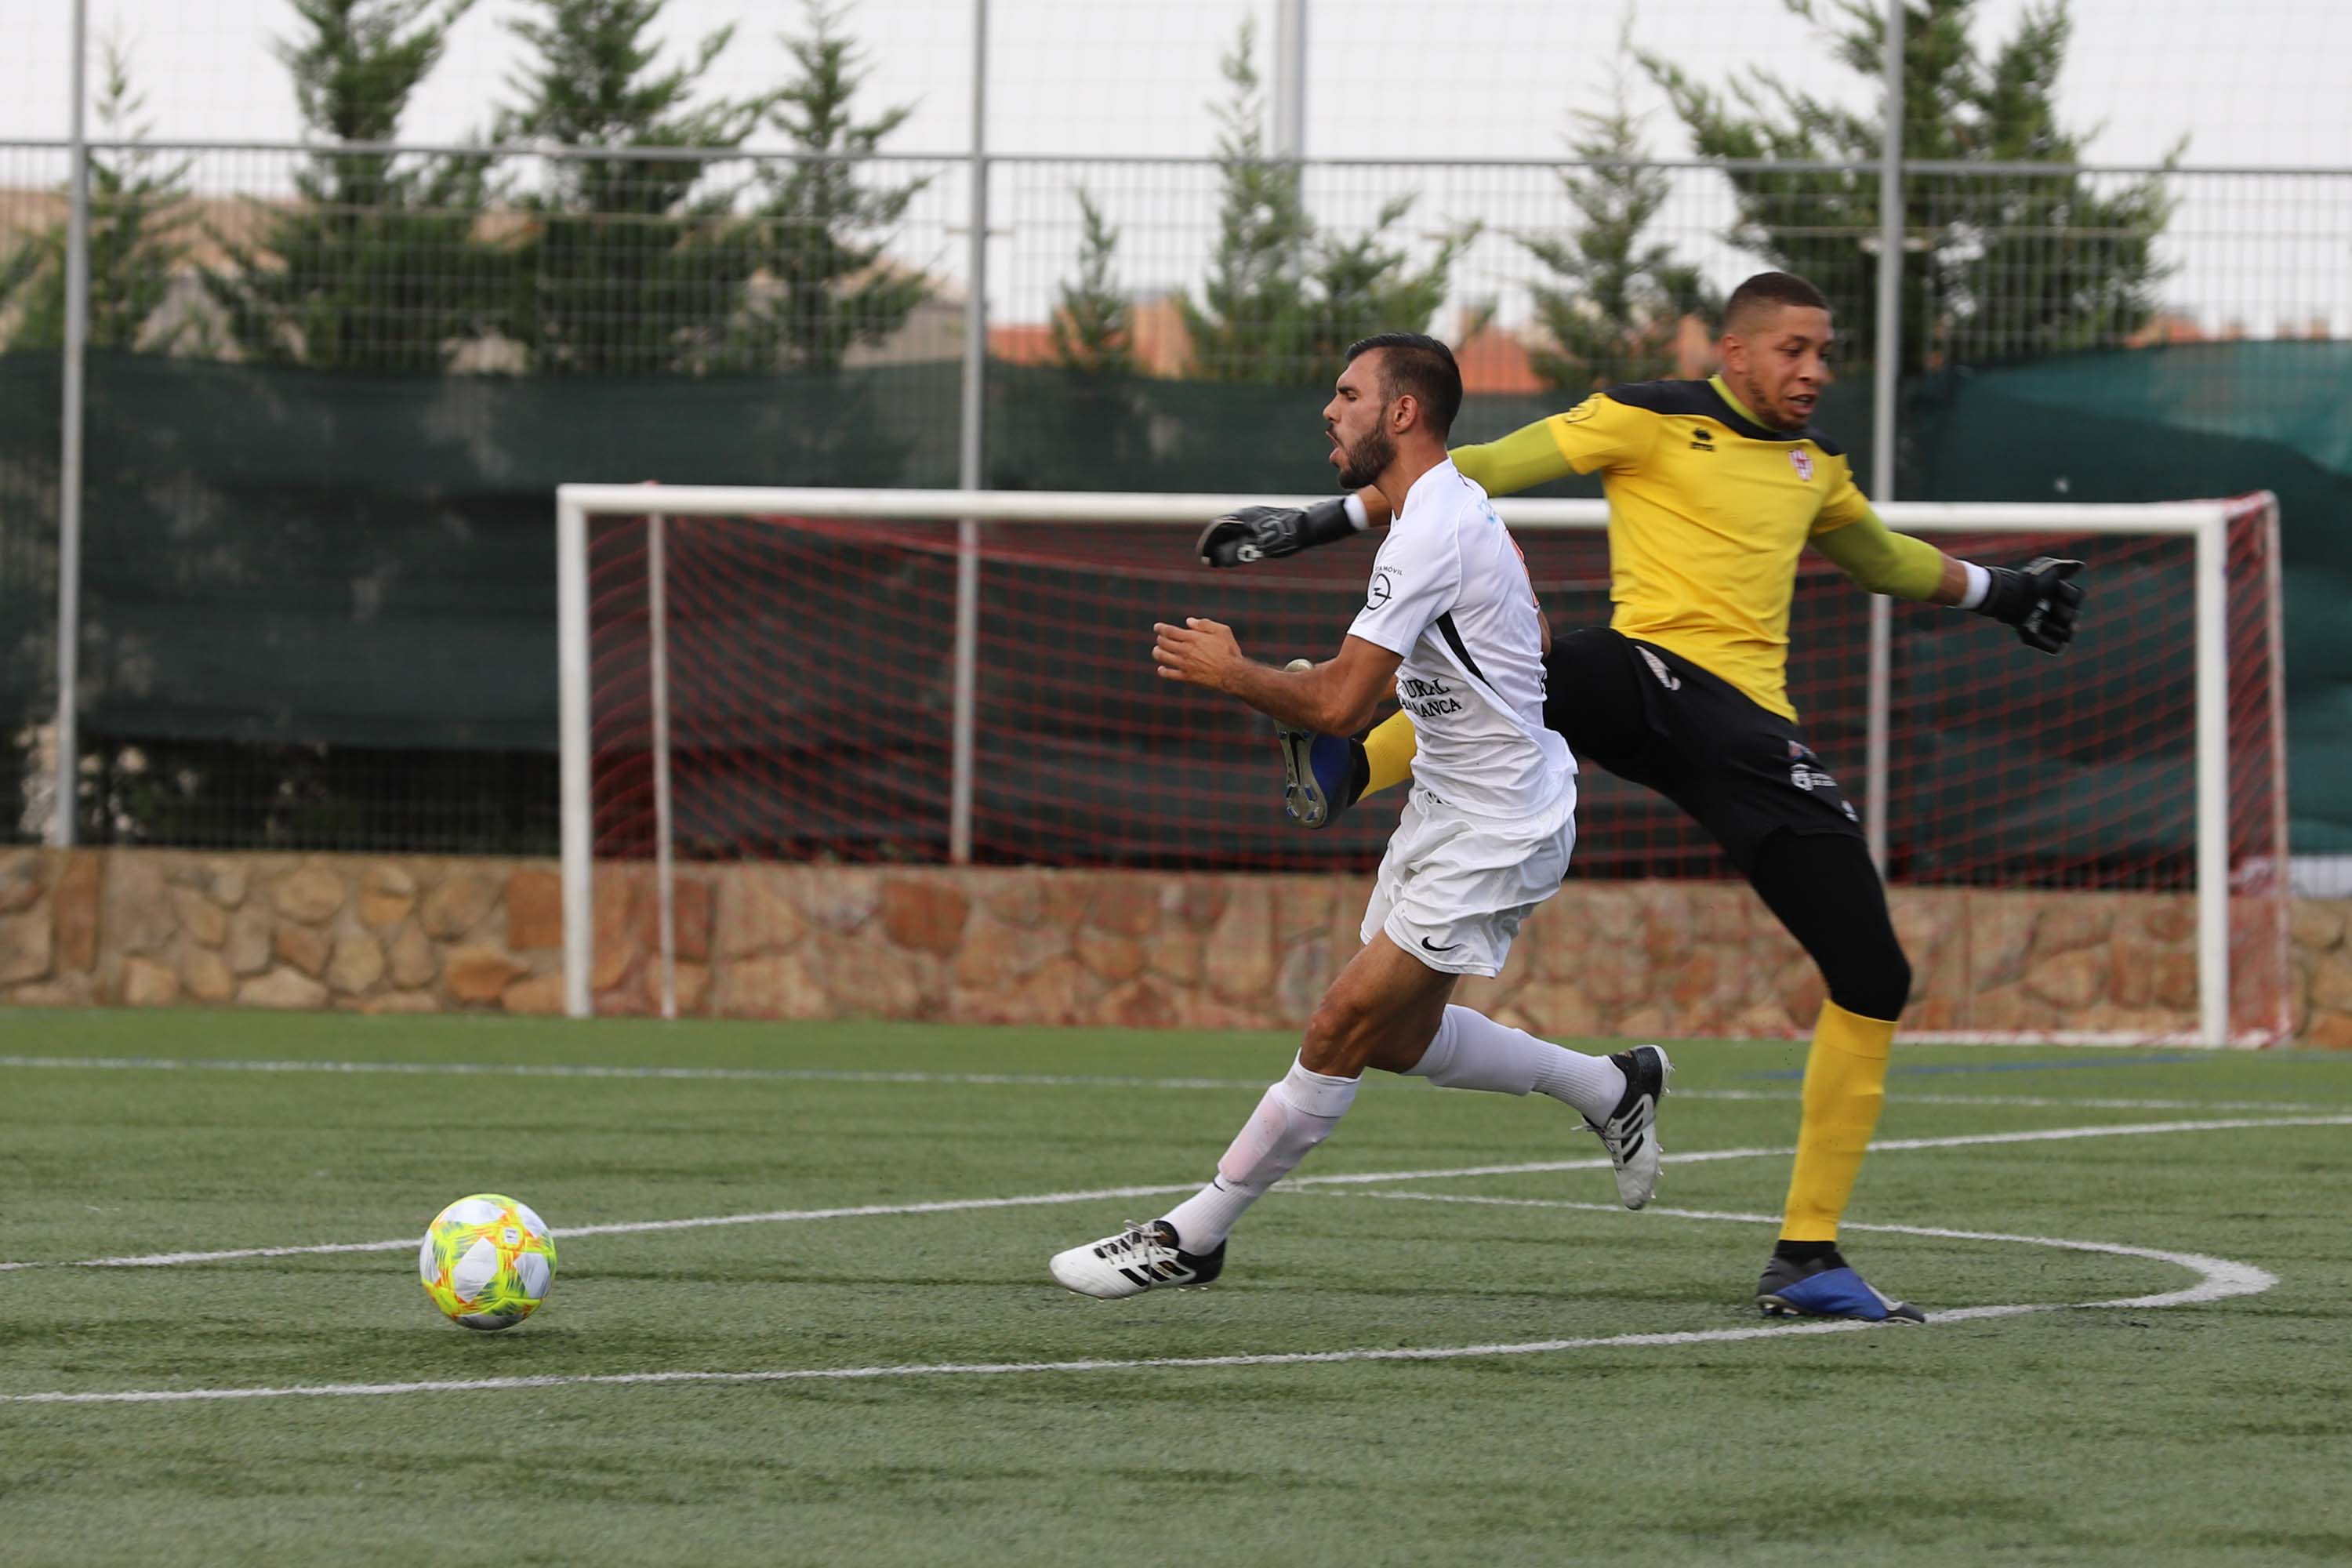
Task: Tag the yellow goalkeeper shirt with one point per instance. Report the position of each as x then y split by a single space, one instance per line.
1708 510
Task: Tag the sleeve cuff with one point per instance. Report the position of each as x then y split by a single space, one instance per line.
1979 585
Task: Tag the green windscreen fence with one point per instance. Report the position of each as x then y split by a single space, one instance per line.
319 607
2169 424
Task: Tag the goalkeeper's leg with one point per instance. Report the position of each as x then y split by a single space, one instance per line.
1323 776
1827 893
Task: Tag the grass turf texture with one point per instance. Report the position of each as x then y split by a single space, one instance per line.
2197 1434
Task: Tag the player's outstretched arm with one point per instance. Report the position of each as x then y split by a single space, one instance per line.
1263 533
1337 697
1529 455
1532 454
2041 600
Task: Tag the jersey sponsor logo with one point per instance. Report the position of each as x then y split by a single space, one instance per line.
1702 439
1383 586
1426 698
1666 678
1802 461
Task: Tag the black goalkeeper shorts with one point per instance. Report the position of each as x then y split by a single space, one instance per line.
1654 717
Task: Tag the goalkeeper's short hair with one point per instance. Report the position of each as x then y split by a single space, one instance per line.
1770 290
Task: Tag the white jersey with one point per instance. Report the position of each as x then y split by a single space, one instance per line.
1450 593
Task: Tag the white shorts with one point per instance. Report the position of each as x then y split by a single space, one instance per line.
1453 889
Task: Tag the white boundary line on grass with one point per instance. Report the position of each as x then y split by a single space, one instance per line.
1094 1195
2224 1279
991 1079
2218 1280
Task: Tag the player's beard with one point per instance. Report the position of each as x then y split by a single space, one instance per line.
1369 458
1752 393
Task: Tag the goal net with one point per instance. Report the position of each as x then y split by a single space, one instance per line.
931 677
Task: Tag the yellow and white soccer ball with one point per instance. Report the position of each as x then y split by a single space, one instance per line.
487 1262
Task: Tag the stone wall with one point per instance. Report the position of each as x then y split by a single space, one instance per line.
150 928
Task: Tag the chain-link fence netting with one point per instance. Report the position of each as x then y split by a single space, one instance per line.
358 300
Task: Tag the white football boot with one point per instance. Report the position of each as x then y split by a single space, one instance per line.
1143 1256
1631 1133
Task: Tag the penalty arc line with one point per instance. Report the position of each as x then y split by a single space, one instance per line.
2221 1280
1040 1200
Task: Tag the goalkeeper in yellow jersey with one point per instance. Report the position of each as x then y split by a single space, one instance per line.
1714 487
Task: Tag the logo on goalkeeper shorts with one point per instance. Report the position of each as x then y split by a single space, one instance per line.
1658 668
1802 461
1806 778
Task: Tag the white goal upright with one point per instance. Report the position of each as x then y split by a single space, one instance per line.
955 677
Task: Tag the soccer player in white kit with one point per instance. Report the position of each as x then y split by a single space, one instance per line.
1450 625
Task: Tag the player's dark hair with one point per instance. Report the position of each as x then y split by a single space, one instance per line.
1421 366
1770 291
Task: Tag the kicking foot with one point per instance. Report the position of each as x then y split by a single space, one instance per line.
1318 770
1827 1288
1631 1133
1142 1257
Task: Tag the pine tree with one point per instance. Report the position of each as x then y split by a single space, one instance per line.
824 226
1362 286
632 264
139 240
1282 299
1995 266
1094 324
1618 306
1249 323
376 265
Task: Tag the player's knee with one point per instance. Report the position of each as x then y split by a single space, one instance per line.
1869 975
1338 1039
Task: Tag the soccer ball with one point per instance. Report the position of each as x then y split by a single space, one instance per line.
487 1262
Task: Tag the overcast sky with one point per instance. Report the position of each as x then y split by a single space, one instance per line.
2253 82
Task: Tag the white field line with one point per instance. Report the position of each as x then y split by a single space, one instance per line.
1001 1079
2221 1278
589 1070
2218 1280
1039 1200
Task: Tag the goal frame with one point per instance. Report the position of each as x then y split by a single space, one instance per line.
2206 522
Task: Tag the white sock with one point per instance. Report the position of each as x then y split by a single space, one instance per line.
1471 1050
1293 1117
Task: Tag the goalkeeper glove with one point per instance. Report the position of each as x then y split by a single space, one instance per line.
1262 532
2037 599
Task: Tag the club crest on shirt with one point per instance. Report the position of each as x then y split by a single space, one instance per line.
1802 461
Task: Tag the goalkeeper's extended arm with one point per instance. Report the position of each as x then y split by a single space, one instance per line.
2038 599
1263 533
1529 456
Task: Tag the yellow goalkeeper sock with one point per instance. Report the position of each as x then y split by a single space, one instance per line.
1845 1083
1389 750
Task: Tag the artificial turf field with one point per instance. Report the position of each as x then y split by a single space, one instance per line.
1603 1390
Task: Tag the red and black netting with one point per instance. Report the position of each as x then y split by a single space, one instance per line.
811 682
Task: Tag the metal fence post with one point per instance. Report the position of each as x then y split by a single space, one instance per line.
1887 376
1290 79
968 458
65 785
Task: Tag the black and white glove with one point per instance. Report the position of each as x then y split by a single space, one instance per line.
1263 533
2037 599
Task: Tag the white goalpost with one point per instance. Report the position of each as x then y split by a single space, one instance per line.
2230 720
